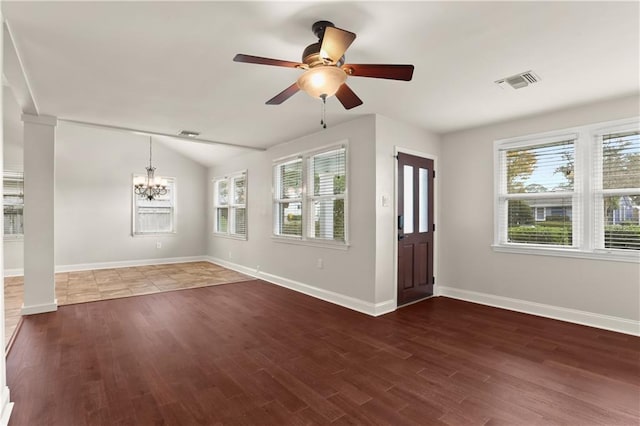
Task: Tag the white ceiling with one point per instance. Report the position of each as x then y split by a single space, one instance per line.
167 66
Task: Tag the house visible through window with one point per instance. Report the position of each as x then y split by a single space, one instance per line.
230 205
549 194
13 200
619 190
310 196
155 216
537 193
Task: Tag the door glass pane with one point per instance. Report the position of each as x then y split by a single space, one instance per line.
423 207
408 199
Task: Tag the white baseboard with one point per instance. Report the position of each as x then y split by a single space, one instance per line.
113 265
6 406
13 272
373 309
39 309
621 325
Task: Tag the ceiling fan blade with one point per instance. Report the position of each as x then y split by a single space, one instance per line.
347 97
335 42
391 72
265 61
284 95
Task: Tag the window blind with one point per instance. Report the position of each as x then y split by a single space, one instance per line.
155 216
289 177
230 197
13 200
288 205
328 172
537 193
541 168
620 159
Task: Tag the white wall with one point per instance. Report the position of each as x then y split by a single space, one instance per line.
467 261
393 135
347 272
365 271
93 199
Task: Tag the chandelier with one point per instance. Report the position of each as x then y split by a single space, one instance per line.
150 186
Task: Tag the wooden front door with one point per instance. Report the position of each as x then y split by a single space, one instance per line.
415 228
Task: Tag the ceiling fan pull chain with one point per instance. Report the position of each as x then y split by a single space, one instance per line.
323 120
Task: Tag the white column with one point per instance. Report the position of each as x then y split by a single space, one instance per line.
39 178
5 402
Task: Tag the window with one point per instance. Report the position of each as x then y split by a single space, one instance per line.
537 194
618 190
310 196
576 191
157 216
230 205
13 199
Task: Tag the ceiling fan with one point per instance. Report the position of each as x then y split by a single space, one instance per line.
325 71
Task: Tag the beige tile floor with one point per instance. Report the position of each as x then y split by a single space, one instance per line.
102 284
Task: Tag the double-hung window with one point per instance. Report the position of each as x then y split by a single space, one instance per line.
230 205
571 193
537 201
310 196
13 200
156 216
617 190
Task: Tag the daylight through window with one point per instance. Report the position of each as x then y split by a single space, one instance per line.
578 191
155 216
310 196
230 205
13 200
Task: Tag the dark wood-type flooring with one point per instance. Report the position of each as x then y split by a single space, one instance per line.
254 353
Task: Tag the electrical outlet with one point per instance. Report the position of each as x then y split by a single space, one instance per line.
158 244
257 269
230 256
320 263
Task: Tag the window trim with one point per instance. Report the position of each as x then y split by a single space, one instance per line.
230 206
588 139
305 199
174 210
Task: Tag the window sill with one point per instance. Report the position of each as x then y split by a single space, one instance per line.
156 234
311 243
229 236
631 256
12 238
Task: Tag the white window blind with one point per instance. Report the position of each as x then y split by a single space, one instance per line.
572 192
13 200
230 205
618 198
310 196
327 177
155 216
288 198
537 198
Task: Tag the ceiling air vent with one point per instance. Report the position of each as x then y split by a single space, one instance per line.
518 81
188 133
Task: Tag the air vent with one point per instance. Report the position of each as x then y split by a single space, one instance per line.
189 133
518 81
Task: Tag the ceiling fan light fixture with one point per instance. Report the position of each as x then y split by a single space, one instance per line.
322 80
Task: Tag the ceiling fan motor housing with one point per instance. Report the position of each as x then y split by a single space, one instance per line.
319 26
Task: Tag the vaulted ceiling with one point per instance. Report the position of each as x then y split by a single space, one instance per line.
167 66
